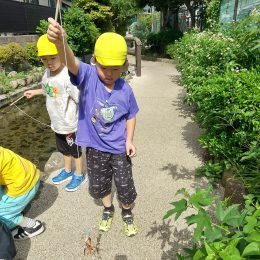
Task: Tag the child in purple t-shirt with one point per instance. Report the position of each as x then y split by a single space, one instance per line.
107 118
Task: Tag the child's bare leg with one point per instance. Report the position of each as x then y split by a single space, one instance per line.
125 206
78 166
67 163
107 201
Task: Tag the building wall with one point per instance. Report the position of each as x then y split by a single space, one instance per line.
21 39
22 18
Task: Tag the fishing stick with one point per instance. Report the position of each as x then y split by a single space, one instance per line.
16 101
58 3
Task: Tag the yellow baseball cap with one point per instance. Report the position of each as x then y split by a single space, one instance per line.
45 47
110 49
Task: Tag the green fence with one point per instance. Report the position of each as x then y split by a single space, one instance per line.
235 10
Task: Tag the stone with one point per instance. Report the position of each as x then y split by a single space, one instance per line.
55 162
29 80
21 82
234 187
2 90
14 84
12 74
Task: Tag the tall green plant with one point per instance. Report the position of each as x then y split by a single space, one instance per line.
81 31
12 56
226 232
212 14
246 33
42 27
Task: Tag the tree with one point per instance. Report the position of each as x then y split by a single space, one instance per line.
99 12
123 11
81 31
109 15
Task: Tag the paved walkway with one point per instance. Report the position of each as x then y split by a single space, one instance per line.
168 154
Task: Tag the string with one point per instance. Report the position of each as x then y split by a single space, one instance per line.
38 121
66 63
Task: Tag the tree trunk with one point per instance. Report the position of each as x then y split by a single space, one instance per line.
176 20
191 10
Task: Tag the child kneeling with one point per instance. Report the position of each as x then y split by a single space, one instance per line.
19 182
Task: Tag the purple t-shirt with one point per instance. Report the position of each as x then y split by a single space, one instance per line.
103 115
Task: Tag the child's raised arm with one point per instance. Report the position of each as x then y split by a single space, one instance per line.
55 35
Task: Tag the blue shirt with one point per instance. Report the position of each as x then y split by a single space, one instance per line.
103 114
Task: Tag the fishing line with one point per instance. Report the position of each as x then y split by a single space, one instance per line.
38 121
66 63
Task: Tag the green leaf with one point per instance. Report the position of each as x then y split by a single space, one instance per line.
201 220
230 253
180 206
201 198
230 215
257 213
253 236
218 246
220 214
209 250
200 254
213 234
252 249
211 257
251 223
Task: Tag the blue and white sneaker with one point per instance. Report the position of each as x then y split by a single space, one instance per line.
76 182
62 177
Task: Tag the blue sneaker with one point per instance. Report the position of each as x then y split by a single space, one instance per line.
75 182
62 177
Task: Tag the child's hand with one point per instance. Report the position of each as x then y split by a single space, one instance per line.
55 32
130 149
29 93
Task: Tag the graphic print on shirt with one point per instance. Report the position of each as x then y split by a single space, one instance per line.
50 90
103 115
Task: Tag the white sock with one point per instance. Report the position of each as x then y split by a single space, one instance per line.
28 222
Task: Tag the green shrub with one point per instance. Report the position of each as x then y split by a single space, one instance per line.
81 31
31 53
226 233
228 109
246 33
159 41
140 30
202 54
42 27
12 56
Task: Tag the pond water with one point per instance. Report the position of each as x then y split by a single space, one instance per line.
23 135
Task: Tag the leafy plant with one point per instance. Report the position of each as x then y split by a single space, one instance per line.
42 27
212 14
246 32
81 31
139 30
99 13
227 232
12 56
31 54
160 41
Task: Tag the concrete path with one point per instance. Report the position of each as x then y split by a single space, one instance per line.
168 153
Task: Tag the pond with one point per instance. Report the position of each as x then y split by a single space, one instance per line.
25 136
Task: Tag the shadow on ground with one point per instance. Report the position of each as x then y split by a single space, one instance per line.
44 199
172 241
182 173
191 131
